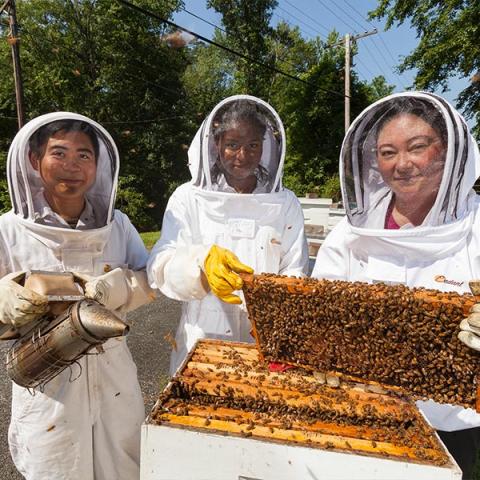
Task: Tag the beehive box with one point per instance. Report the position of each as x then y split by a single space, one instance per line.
391 334
226 416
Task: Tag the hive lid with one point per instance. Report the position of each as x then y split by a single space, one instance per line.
393 335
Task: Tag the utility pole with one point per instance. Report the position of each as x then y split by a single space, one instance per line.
9 7
348 42
347 81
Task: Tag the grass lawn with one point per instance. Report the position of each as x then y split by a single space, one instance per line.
149 238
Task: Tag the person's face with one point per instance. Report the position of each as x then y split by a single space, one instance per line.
68 167
240 150
411 157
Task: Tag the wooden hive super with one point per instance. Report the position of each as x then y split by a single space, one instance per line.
390 334
227 408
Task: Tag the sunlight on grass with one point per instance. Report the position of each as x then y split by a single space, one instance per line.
149 238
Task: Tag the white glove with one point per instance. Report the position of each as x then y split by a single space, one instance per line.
19 305
470 329
120 289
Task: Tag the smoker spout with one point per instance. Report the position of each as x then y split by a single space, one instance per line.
100 322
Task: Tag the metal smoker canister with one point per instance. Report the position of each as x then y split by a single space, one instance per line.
50 348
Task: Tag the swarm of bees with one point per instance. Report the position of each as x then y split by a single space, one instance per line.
393 335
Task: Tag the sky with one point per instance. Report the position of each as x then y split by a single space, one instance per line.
378 54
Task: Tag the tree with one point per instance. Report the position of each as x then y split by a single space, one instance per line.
101 59
449 33
208 78
247 25
313 112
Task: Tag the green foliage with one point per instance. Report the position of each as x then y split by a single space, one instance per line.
131 201
5 205
331 188
208 79
378 88
449 33
4 196
313 113
98 58
247 23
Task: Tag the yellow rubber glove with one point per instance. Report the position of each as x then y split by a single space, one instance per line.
221 267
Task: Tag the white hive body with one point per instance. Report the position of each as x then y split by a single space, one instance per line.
226 416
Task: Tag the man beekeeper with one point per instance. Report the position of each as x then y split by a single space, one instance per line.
62 173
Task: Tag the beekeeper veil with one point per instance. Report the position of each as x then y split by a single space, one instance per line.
25 182
451 171
241 133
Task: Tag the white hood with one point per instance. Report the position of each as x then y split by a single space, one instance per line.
24 182
366 196
363 188
202 153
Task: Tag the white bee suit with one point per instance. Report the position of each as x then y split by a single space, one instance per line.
265 231
85 425
443 253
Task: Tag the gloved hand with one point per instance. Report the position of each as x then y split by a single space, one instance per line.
221 267
119 289
19 305
470 329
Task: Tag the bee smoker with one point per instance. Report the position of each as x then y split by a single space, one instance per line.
71 328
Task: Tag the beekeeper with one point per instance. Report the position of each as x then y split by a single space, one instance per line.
62 174
407 167
233 213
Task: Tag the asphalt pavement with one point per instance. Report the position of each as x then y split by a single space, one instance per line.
150 325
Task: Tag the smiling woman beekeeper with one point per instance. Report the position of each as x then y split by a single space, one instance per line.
234 210
407 168
62 174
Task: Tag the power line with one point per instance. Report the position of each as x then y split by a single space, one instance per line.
350 17
335 15
224 31
386 62
308 16
223 47
305 34
203 20
359 61
387 49
380 38
359 13
300 21
380 53
380 68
